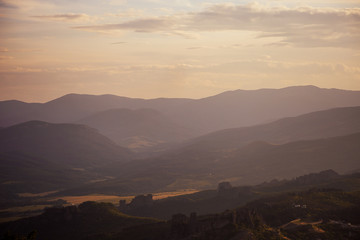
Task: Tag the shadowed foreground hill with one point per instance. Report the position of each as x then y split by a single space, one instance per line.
214 201
137 129
21 173
75 222
314 214
69 144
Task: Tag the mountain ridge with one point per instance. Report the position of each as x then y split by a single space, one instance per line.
225 110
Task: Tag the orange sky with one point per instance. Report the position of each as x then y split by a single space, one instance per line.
158 48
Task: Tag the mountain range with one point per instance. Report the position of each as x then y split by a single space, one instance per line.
280 133
194 116
250 155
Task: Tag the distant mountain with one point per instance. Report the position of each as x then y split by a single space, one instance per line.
226 110
250 107
73 107
137 129
12 112
67 144
320 124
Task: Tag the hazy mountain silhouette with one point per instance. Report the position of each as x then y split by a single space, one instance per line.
320 124
249 107
13 111
69 144
137 129
229 109
73 107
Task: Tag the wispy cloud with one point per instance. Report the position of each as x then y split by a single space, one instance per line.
302 26
6 4
138 25
5 58
67 17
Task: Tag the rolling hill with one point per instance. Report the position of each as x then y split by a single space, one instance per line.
251 164
214 201
38 157
68 144
250 155
137 129
319 124
21 174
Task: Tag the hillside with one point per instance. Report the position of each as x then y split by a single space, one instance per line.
260 161
319 124
137 129
214 201
38 157
315 214
22 173
68 144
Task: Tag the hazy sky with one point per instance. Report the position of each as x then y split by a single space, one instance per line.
180 48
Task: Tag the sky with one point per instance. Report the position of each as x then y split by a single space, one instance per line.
180 48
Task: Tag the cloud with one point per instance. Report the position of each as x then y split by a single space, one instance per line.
6 58
301 26
67 17
129 13
138 25
6 4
